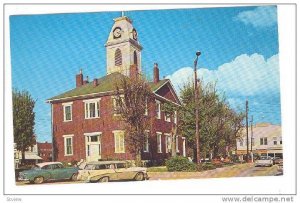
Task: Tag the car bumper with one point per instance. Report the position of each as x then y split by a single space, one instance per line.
23 179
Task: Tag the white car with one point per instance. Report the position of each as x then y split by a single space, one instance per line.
104 171
264 161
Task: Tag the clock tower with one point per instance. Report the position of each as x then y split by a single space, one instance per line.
123 50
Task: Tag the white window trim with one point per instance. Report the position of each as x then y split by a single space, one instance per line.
159 112
115 104
159 150
147 137
64 109
175 117
65 144
166 118
115 132
168 138
90 101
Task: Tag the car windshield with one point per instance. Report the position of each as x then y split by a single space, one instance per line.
36 167
264 158
89 167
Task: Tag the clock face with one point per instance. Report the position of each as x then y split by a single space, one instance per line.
134 34
117 32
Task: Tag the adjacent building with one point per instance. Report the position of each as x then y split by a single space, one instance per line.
45 151
265 138
84 119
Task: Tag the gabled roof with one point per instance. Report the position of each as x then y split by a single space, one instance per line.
105 84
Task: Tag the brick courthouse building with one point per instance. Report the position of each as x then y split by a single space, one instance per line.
84 124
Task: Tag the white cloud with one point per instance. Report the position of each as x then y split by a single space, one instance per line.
245 76
265 16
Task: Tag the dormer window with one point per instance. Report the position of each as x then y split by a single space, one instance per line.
118 57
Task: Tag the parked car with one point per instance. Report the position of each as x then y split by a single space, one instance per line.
277 160
104 171
264 161
48 171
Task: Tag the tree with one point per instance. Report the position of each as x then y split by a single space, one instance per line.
132 97
219 124
23 120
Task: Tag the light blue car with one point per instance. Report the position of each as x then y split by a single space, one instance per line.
48 171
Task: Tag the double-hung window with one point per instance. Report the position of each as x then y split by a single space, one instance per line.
158 137
177 149
116 105
119 136
68 145
157 109
92 108
167 117
175 117
168 143
67 107
146 141
275 140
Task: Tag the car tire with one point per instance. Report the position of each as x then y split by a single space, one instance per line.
103 179
139 176
38 180
74 177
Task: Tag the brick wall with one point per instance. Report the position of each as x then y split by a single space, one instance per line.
105 124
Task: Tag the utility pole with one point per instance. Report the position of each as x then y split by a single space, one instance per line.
251 137
197 134
247 157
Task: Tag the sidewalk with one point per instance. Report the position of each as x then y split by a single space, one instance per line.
239 170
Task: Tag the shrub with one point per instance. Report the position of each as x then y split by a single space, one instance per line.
180 163
206 166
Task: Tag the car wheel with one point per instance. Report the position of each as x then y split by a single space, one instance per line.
39 180
74 176
139 177
103 180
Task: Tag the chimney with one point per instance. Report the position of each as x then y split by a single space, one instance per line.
79 79
86 81
95 82
155 73
133 71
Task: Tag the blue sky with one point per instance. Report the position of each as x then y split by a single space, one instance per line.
239 48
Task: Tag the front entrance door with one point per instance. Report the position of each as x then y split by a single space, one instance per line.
93 147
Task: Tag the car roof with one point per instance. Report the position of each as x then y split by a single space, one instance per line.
105 162
47 163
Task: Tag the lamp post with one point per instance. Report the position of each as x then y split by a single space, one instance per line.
197 134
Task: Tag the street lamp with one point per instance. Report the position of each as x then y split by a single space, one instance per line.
197 134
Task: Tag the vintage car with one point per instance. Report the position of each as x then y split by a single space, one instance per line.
264 161
104 171
48 171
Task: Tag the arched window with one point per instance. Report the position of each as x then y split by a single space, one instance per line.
118 57
135 58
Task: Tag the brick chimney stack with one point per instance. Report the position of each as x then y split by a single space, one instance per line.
155 73
79 79
95 82
133 71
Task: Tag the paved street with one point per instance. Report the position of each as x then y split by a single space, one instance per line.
239 170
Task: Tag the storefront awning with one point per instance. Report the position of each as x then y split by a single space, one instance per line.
32 157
